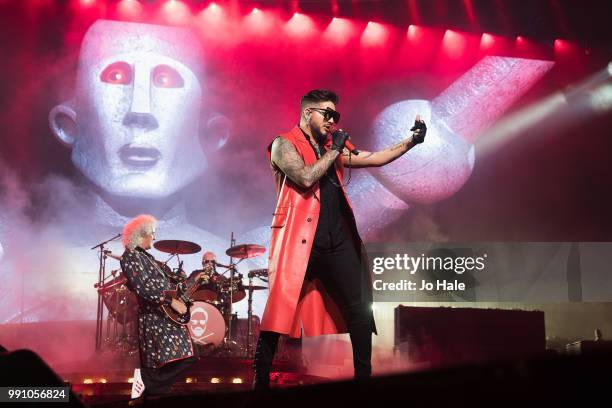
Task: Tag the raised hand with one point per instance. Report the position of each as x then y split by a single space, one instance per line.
419 129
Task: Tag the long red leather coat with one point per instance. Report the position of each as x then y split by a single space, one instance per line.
293 305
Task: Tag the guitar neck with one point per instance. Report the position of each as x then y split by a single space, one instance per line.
190 290
193 286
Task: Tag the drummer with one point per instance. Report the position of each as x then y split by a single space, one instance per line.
209 259
209 262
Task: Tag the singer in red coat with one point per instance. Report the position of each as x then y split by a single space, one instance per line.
319 279
293 303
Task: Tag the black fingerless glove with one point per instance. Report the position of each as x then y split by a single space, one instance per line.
339 138
418 137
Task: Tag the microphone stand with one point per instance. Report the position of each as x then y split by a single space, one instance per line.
101 278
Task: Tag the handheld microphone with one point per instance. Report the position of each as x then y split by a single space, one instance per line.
221 265
348 144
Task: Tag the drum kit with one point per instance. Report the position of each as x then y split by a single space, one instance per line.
214 326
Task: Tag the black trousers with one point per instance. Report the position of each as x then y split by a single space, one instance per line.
159 380
336 263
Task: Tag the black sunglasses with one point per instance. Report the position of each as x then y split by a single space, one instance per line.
328 113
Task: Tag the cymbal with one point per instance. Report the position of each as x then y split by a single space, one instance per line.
176 246
245 251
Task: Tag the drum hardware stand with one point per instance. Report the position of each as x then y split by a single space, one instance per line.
230 347
260 274
118 339
101 278
249 353
111 341
231 287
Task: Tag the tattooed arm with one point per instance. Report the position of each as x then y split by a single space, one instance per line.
286 158
382 157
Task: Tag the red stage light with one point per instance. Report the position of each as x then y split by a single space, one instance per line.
212 13
374 34
486 41
560 45
129 9
300 26
415 33
211 21
87 3
527 48
257 22
339 31
567 49
176 12
454 44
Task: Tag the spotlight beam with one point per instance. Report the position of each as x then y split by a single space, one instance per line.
574 104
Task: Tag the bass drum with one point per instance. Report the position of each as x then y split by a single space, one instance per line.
206 326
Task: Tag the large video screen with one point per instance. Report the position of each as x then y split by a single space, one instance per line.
107 117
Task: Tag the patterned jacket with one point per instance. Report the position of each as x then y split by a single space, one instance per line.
160 339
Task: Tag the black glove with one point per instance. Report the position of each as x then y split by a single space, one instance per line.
339 138
419 136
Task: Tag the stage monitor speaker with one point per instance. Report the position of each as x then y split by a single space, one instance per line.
24 368
440 336
589 347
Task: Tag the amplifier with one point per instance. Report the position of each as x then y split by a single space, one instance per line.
449 336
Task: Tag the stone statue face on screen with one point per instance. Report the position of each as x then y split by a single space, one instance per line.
133 124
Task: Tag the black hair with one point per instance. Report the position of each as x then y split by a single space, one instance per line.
319 95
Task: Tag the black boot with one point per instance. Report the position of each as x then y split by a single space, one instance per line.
360 331
264 354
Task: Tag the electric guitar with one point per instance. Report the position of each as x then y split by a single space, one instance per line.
183 292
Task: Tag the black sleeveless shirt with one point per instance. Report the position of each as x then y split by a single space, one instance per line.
332 226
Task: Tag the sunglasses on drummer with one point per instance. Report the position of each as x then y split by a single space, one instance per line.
328 113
